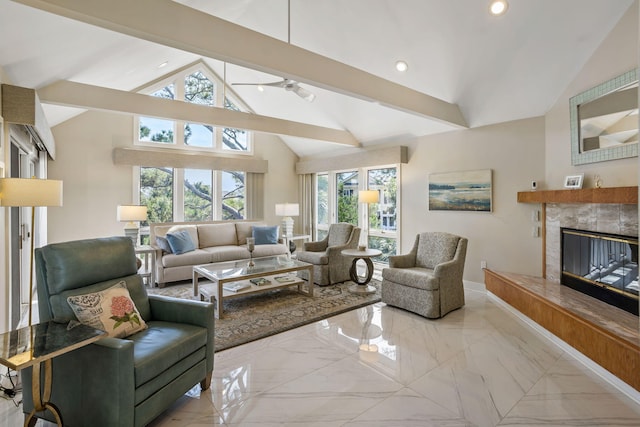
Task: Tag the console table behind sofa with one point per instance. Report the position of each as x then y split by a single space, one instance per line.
216 241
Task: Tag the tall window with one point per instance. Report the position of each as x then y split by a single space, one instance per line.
233 195
198 89
198 202
382 216
156 192
234 139
197 85
347 197
337 201
322 205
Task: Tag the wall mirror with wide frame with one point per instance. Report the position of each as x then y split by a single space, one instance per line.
604 121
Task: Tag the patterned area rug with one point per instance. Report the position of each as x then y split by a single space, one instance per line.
268 313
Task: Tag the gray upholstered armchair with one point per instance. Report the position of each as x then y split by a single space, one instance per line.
329 266
427 280
114 381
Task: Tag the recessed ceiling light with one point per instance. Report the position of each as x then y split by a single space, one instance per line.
402 66
164 64
260 88
498 7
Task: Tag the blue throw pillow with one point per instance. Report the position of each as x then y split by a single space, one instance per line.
265 235
163 244
180 242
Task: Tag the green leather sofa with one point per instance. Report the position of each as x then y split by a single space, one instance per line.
119 382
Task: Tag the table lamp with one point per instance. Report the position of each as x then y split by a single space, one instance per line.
132 214
287 210
30 192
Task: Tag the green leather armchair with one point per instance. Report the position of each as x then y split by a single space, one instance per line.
119 382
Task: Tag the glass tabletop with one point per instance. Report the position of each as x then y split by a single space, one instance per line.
30 345
241 268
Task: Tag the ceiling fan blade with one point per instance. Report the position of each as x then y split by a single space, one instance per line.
303 93
281 83
287 84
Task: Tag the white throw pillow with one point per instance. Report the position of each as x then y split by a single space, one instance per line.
111 310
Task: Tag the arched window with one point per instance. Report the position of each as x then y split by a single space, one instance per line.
198 85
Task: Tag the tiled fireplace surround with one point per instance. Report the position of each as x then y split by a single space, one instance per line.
601 217
606 335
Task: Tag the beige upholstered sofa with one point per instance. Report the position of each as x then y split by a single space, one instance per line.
215 241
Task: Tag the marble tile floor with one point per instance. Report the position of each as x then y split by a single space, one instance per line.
382 366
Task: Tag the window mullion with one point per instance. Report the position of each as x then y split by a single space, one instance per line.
178 195
216 195
179 124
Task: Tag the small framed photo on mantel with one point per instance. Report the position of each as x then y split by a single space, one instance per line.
573 182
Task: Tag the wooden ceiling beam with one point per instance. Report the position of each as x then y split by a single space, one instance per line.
172 24
71 94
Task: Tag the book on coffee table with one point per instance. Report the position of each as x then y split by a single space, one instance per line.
260 281
236 286
285 279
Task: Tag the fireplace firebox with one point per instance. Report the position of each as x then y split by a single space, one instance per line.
602 265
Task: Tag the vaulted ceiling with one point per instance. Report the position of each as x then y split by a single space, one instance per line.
490 69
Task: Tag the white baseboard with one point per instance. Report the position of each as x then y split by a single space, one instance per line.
623 387
474 286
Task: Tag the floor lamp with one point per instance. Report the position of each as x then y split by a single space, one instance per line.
30 192
366 197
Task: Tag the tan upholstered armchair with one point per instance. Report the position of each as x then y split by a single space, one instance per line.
329 266
427 280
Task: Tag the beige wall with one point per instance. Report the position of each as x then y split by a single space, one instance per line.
94 186
514 151
617 54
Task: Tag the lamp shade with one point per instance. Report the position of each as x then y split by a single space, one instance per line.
368 196
127 213
30 192
287 209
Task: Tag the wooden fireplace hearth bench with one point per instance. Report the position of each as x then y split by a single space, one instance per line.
605 334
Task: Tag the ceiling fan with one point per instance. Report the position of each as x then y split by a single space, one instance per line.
286 84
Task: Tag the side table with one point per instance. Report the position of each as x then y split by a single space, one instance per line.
148 269
288 240
362 285
35 346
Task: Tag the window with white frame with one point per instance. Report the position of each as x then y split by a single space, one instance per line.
196 85
336 200
382 217
322 205
176 194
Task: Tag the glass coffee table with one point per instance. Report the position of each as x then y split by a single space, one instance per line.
278 272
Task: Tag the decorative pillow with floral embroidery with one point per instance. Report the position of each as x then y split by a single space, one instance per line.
111 310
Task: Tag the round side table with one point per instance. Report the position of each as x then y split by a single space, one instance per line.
361 285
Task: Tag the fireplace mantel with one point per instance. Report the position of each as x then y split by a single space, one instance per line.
622 195
612 195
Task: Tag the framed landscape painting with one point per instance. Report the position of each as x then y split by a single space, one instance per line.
460 191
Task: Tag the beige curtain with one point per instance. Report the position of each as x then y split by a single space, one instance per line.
254 193
306 197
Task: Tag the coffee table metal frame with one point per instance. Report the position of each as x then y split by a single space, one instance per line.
235 271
